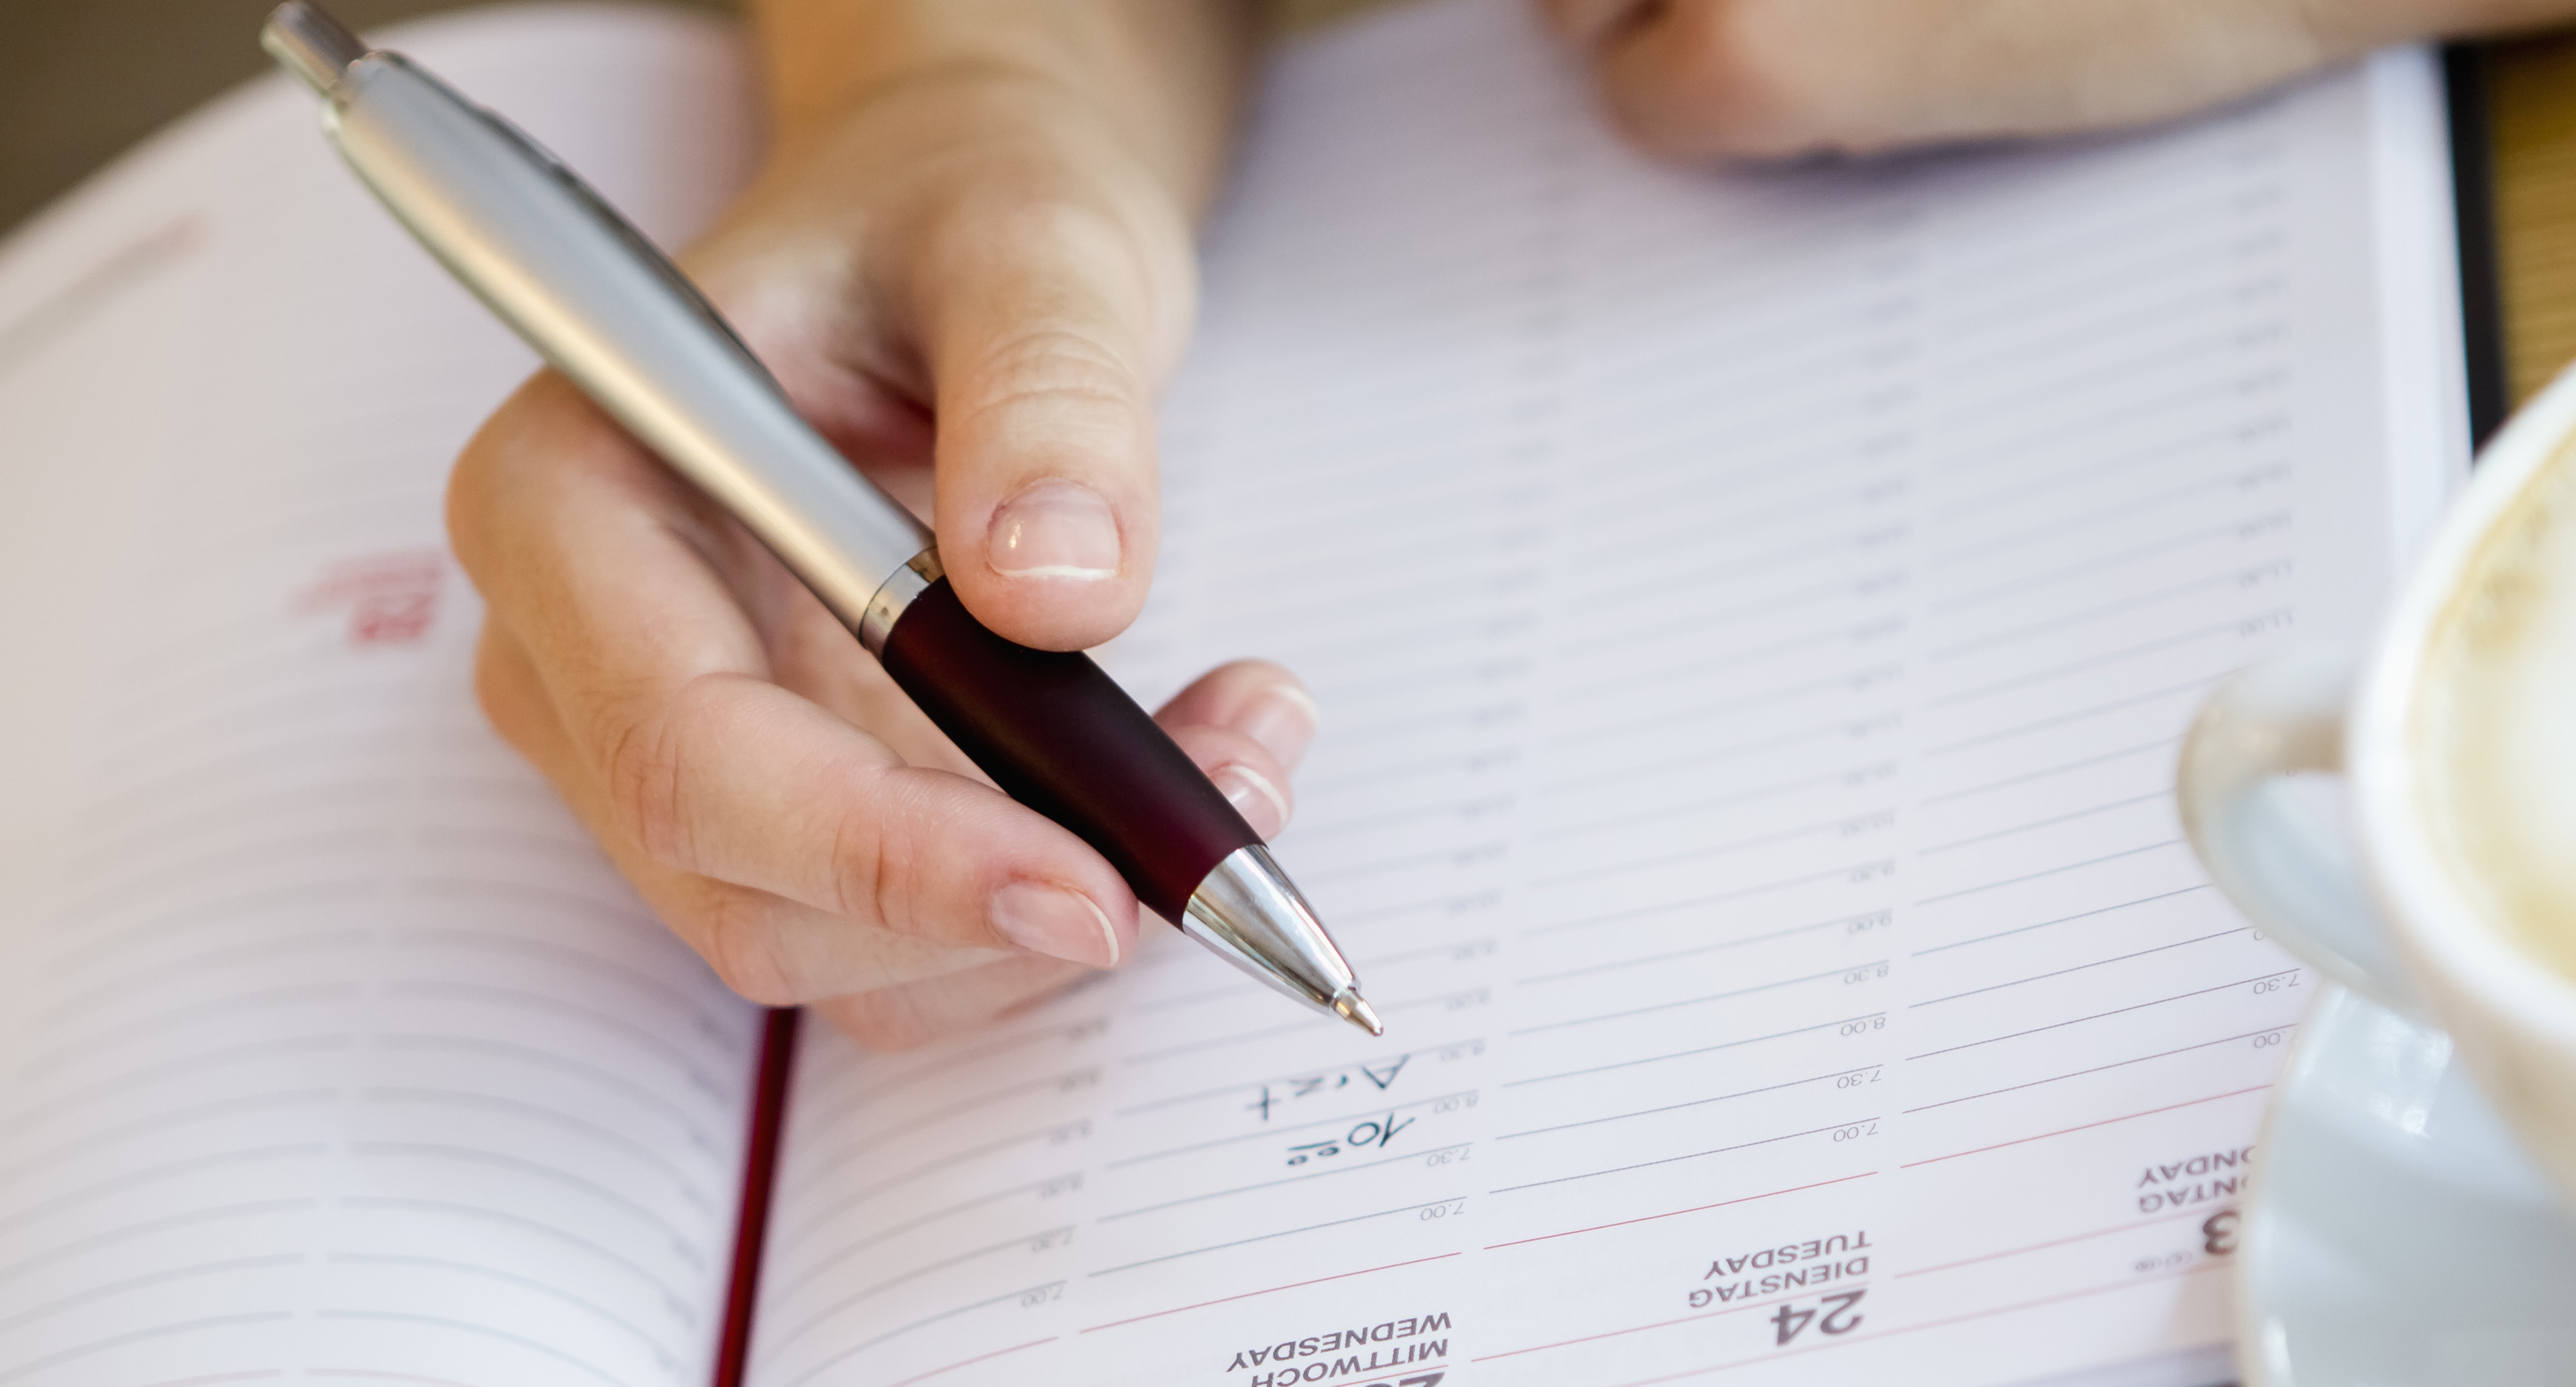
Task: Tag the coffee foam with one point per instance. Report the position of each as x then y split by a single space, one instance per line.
2495 728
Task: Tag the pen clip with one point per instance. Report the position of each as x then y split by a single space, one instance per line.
649 254
309 42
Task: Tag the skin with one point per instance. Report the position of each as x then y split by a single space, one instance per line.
1770 78
967 257
976 212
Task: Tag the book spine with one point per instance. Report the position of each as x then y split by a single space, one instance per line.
759 1171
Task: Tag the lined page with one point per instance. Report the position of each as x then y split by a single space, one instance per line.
1754 615
337 1051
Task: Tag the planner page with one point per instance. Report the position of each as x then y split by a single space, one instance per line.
333 1050
1753 614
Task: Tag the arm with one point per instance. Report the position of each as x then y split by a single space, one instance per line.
967 257
1697 78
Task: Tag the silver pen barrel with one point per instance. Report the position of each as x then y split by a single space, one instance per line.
603 306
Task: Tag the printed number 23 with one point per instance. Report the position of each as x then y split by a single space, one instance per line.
1838 1316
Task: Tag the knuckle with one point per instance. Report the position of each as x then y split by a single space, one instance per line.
1050 366
1589 21
471 506
1713 42
1110 275
496 453
879 872
501 691
1724 80
640 768
469 490
861 873
890 1019
739 940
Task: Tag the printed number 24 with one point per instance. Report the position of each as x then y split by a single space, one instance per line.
1836 1309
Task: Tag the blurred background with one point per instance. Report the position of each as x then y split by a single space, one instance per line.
82 80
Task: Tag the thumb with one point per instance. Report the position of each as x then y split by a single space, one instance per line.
1046 325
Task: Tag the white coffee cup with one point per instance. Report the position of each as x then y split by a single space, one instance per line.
2384 904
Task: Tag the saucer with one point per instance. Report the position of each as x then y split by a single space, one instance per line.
2396 1236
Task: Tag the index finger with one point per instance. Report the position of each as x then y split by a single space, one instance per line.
628 596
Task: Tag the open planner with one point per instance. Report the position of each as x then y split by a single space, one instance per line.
1753 612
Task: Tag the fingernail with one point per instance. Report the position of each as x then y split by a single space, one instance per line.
1055 529
1053 921
1283 719
1254 797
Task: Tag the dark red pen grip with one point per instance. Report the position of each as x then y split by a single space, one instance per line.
1059 735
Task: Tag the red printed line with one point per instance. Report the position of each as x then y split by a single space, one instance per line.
1391 1372
2057 1299
1677 1213
970 1362
1247 1295
2061 1242
1659 1324
1928 1324
2105 1122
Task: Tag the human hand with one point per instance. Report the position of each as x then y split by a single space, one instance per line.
1765 78
960 250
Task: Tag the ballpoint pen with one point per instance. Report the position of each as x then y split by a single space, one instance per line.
605 308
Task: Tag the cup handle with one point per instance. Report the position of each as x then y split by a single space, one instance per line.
2292 875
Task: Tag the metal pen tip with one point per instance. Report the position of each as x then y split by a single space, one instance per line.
1351 1007
1251 915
